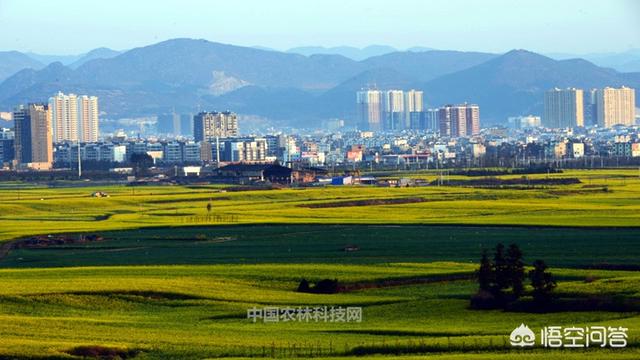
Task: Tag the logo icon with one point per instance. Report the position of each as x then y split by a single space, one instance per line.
522 336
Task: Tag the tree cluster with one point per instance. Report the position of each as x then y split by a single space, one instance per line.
501 279
141 162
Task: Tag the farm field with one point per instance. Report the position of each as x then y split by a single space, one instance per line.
603 198
264 244
171 280
186 312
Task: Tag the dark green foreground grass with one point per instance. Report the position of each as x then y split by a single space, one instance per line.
195 311
559 247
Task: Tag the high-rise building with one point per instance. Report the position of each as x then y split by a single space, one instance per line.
591 107
6 145
370 109
563 108
417 120
457 120
33 143
176 123
74 117
615 106
88 118
431 119
473 120
413 102
208 126
64 117
394 118
444 120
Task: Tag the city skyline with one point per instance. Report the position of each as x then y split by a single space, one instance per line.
499 20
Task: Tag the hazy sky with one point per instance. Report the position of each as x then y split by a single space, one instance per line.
74 26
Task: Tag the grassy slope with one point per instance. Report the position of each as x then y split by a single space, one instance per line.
44 210
199 311
194 311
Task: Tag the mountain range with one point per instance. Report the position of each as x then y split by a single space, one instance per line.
187 75
350 52
626 61
13 61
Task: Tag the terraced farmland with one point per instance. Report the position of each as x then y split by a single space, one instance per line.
165 278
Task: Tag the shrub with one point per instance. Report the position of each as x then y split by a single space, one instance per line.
325 286
304 286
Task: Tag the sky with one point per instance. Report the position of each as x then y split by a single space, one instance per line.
65 27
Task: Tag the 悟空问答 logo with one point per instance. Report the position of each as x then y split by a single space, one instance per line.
522 336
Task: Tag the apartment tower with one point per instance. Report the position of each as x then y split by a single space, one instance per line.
64 117
413 103
615 106
369 103
563 108
394 117
207 126
88 118
33 136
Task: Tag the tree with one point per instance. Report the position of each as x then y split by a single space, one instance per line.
485 272
542 283
485 298
515 270
141 163
501 272
304 286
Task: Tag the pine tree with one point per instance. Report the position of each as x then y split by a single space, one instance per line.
501 272
542 282
515 270
485 272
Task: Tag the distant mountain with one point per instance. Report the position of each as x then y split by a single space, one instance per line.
30 85
626 61
427 65
514 83
263 48
350 52
185 73
50 59
190 75
74 61
282 105
192 63
181 73
13 61
630 66
99 53
399 70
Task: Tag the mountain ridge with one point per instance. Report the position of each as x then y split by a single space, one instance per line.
185 74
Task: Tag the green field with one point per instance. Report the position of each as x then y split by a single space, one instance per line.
47 210
561 247
200 311
172 281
